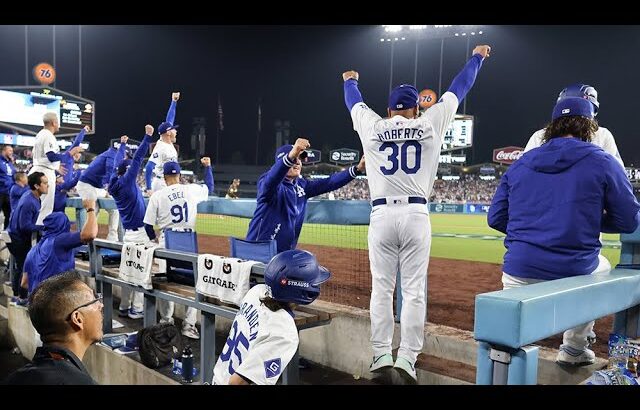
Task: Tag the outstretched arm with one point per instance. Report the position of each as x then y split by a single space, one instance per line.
463 82
208 174
136 162
148 172
335 181
80 137
171 114
352 94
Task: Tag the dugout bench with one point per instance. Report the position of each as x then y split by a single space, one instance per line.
306 317
507 322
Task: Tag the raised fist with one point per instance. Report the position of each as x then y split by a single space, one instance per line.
350 74
482 50
124 139
175 96
300 145
205 161
148 129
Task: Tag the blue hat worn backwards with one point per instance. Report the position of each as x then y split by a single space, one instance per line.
171 168
573 106
166 126
285 149
403 97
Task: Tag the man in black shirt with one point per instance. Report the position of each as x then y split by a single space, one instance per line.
68 316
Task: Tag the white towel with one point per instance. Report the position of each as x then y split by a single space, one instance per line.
135 264
224 278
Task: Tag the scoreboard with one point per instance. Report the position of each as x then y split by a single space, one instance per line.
22 108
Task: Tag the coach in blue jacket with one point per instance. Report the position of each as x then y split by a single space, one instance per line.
283 194
553 203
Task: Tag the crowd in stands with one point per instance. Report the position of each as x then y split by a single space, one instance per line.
469 188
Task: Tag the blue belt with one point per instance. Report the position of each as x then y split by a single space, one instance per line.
412 200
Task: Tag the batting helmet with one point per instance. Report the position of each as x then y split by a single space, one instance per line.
581 91
295 276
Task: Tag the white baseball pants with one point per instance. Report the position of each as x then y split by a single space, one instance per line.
399 239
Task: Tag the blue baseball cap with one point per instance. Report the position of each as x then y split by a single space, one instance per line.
286 149
573 106
403 97
122 168
166 126
171 168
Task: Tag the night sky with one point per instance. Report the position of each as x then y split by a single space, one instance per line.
130 71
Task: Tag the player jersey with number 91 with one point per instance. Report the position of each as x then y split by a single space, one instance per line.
175 206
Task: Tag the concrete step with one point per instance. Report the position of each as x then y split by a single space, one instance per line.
458 345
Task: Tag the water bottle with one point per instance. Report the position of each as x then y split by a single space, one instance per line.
187 364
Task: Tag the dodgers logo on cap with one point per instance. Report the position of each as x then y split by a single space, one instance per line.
403 97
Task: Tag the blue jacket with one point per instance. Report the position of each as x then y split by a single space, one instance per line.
281 204
550 204
67 160
7 171
126 192
54 253
23 219
60 199
100 170
15 193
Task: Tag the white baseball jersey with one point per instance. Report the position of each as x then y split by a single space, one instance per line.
602 138
176 206
402 161
163 152
402 154
261 343
45 142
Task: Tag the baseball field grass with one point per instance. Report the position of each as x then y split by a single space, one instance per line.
455 236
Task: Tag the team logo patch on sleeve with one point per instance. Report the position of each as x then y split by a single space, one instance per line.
155 155
272 368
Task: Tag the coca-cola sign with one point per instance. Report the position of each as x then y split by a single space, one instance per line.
507 155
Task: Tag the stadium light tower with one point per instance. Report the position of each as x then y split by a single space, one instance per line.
393 33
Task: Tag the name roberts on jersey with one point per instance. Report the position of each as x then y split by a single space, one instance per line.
401 134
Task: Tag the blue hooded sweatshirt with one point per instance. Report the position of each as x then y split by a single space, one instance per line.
551 204
54 253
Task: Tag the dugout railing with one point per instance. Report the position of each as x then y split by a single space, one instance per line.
106 278
337 212
508 322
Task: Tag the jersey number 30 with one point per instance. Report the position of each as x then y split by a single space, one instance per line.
178 214
403 150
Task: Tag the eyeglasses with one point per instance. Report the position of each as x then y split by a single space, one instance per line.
97 299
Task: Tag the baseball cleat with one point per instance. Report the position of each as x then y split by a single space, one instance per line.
406 369
381 363
573 357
